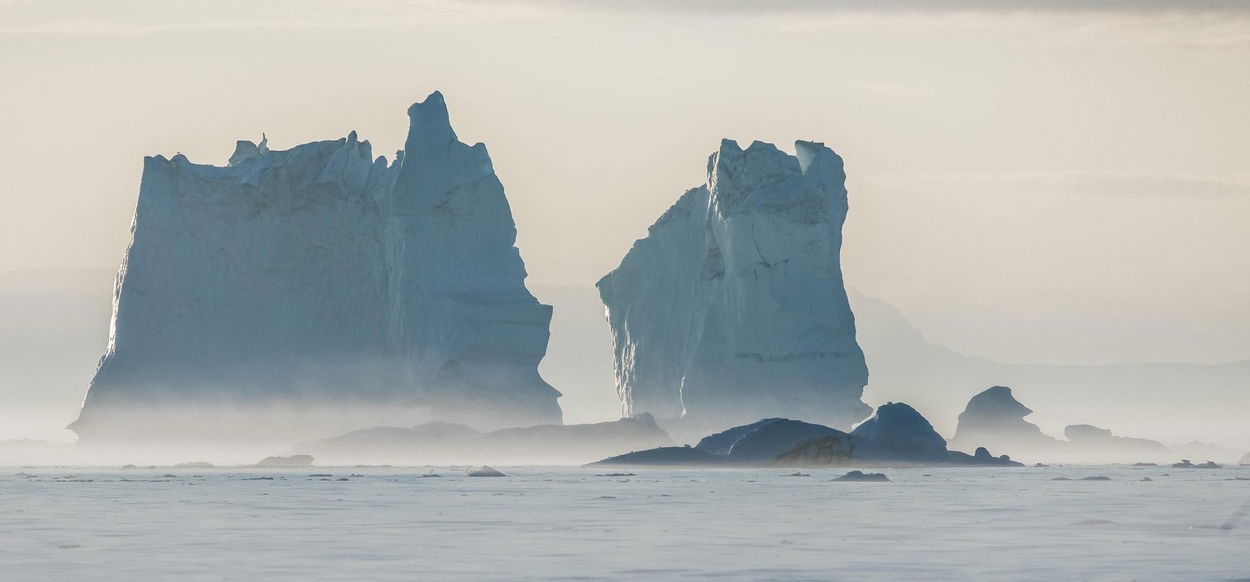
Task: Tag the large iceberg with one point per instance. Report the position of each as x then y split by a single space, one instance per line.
321 276
733 306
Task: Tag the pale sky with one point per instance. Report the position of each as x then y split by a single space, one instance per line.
1069 184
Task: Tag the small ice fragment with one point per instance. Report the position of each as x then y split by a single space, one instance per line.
862 476
484 471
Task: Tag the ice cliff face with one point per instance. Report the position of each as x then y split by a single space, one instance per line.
733 307
320 274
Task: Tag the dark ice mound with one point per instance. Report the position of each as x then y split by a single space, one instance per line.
896 434
764 440
822 452
897 431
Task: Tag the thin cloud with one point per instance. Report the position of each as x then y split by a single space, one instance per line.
71 17
1097 183
135 17
887 6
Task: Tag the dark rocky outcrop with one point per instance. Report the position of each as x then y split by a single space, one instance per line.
765 440
981 456
862 476
822 452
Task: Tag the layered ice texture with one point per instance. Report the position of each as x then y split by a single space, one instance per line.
733 308
322 276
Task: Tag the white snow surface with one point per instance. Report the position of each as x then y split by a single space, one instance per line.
320 274
733 307
933 524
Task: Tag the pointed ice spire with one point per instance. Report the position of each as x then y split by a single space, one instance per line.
429 124
435 162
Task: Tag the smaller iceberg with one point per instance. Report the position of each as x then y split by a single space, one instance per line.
895 434
995 416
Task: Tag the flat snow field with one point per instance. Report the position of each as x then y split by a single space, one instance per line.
543 523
